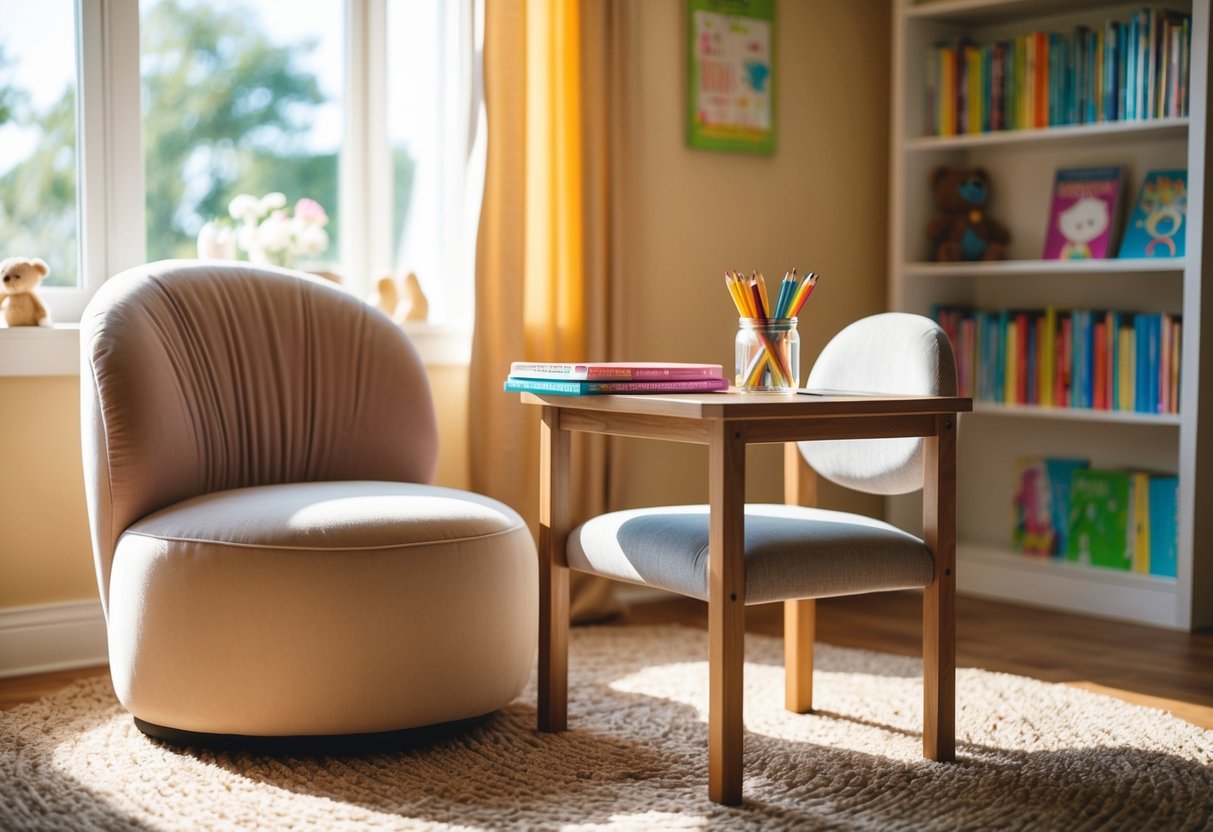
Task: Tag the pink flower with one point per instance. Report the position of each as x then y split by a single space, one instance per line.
310 211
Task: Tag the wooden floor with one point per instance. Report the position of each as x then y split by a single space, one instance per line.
1148 666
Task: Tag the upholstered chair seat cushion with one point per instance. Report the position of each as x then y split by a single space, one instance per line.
790 552
322 608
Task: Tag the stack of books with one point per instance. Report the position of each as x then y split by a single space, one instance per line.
604 378
1114 518
1067 358
1124 70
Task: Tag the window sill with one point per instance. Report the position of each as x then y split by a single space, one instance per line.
55 351
40 350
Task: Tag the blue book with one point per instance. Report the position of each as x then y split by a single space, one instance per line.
1112 71
1155 359
598 388
1131 70
1164 525
1157 225
1061 476
1081 359
1088 359
1000 358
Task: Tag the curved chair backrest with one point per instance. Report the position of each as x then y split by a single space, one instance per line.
893 353
203 376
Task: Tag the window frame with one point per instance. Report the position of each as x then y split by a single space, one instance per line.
110 204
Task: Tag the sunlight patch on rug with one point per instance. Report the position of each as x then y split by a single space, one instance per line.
1029 755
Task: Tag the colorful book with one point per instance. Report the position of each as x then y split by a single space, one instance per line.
1164 525
1042 504
1158 223
616 371
1100 532
1140 523
1082 218
599 388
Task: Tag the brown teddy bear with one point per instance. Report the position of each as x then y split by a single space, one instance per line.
20 276
960 229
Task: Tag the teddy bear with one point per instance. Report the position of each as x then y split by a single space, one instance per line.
20 276
960 229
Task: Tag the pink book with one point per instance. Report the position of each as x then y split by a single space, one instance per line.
616 371
1082 219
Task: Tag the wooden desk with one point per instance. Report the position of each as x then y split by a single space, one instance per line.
727 423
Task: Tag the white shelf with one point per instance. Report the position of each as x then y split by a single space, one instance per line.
984 12
991 571
1022 163
1077 414
1114 131
1059 268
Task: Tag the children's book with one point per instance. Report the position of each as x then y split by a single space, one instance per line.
1042 504
1164 525
1082 219
1100 531
593 388
615 371
1158 223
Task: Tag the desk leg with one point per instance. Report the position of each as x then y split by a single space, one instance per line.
553 574
799 631
939 599
800 614
726 613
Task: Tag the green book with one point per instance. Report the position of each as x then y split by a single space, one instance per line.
1100 532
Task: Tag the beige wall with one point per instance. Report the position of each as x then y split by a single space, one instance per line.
819 203
45 554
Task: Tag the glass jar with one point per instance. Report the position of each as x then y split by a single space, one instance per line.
768 355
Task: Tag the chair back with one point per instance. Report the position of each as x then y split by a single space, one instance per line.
892 353
200 376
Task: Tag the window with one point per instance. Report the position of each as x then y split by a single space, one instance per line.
38 136
435 126
238 98
126 125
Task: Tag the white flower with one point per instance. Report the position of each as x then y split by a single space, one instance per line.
275 232
272 202
269 233
313 240
245 208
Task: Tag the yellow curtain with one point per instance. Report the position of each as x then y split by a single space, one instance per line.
546 259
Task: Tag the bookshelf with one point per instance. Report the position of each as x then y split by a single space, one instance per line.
1021 164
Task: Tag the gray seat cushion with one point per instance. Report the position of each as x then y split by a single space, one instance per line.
790 552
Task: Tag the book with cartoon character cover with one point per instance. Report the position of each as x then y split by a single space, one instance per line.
1158 225
1082 220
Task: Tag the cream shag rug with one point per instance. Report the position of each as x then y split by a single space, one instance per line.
1030 755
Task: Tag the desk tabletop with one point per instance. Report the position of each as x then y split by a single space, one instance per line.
732 404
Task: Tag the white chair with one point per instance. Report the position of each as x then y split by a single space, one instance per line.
796 553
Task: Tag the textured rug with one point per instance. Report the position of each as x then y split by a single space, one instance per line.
1030 756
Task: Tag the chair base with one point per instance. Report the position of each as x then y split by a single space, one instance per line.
313 745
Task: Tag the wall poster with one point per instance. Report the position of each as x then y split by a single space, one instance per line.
731 92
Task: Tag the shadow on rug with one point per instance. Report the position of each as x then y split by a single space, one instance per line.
1029 755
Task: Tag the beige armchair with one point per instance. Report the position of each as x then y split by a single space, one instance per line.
258 447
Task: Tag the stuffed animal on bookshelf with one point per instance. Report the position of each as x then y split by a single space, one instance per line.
961 229
19 277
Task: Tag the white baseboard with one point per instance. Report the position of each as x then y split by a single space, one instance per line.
46 637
